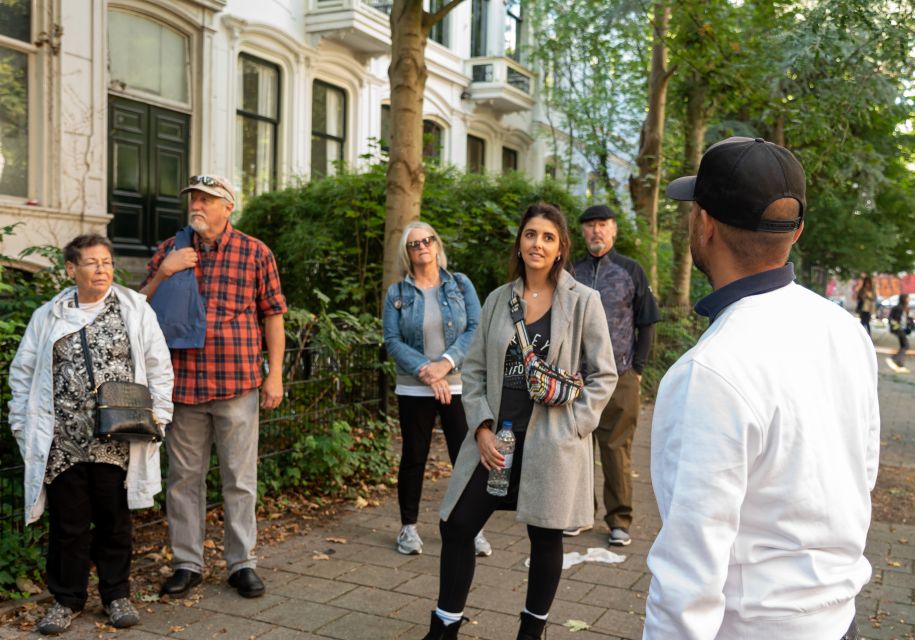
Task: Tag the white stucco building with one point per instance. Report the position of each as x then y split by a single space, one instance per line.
106 106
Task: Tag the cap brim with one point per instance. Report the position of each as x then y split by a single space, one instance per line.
682 188
213 191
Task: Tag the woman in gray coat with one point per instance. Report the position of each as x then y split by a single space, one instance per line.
551 486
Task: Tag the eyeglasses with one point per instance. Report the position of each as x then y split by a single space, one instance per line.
414 244
207 181
94 265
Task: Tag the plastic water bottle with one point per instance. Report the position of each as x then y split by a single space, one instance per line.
505 444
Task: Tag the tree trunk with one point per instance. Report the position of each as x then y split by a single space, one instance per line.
694 132
406 175
645 187
778 130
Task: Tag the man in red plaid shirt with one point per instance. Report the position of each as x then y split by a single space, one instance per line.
216 398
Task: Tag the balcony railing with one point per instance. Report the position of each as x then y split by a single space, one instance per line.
501 82
360 24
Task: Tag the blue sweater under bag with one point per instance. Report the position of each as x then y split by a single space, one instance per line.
179 305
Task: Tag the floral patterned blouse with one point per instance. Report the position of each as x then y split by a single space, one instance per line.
74 401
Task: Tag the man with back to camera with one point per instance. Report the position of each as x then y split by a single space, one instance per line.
216 382
765 438
631 312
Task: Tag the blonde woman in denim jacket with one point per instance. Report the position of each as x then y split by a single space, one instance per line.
430 318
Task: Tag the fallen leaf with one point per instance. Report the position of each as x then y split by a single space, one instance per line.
576 625
894 563
149 597
361 503
336 540
176 629
317 555
209 544
24 583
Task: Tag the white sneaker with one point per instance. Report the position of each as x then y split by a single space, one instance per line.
619 538
408 541
575 531
895 367
482 546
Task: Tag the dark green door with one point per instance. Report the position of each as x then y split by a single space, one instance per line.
147 166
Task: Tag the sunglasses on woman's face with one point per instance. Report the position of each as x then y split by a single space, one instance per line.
414 244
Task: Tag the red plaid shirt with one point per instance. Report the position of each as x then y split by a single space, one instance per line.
240 285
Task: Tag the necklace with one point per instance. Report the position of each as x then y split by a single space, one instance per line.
535 294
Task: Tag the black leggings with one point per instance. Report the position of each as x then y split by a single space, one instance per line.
417 417
468 517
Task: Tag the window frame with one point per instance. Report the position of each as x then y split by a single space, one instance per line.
33 106
482 167
274 180
442 28
324 135
518 18
515 154
479 38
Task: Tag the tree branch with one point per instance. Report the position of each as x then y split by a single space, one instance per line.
431 19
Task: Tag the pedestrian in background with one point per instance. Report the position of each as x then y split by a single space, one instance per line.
216 382
89 485
901 327
430 318
867 302
631 312
551 484
766 434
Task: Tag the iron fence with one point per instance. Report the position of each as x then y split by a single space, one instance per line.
320 387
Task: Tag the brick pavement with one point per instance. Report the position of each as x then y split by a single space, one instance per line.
366 590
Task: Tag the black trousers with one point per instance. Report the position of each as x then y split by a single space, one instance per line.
458 560
83 496
903 338
852 633
417 417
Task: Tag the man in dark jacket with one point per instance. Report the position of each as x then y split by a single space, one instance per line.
631 314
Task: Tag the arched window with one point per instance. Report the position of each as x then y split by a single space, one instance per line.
17 54
147 56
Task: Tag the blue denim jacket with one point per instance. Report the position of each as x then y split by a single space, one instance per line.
403 320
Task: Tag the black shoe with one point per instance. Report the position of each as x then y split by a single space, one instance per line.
438 630
531 627
247 583
180 582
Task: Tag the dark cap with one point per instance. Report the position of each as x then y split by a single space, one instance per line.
739 177
598 212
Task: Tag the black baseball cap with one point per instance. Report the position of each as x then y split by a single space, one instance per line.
739 177
597 212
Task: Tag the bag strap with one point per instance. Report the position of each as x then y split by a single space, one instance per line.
517 314
85 342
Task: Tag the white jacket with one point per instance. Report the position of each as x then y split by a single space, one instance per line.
31 381
764 450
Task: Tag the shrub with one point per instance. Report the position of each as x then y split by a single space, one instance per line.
328 234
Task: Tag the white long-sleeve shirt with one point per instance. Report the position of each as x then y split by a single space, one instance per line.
764 450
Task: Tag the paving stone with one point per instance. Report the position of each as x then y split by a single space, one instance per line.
374 601
423 585
375 576
625 625
361 626
624 600
220 625
314 589
226 600
607 575
303 616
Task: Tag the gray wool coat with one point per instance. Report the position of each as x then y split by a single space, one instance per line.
557 475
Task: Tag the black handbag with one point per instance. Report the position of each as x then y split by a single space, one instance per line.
123 410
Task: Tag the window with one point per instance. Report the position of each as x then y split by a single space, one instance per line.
433 136
17 53
509 160
478 24
328 128
513 24
147 56
440 29
432 141
256 122
550 168
476 154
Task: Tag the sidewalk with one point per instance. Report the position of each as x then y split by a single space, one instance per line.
320 587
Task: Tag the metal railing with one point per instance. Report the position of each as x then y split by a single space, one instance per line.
320 388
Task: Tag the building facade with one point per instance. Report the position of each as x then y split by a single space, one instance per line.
106 106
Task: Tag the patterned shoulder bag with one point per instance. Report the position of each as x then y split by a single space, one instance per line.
546 384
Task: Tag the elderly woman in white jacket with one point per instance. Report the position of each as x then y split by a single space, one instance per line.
84 481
